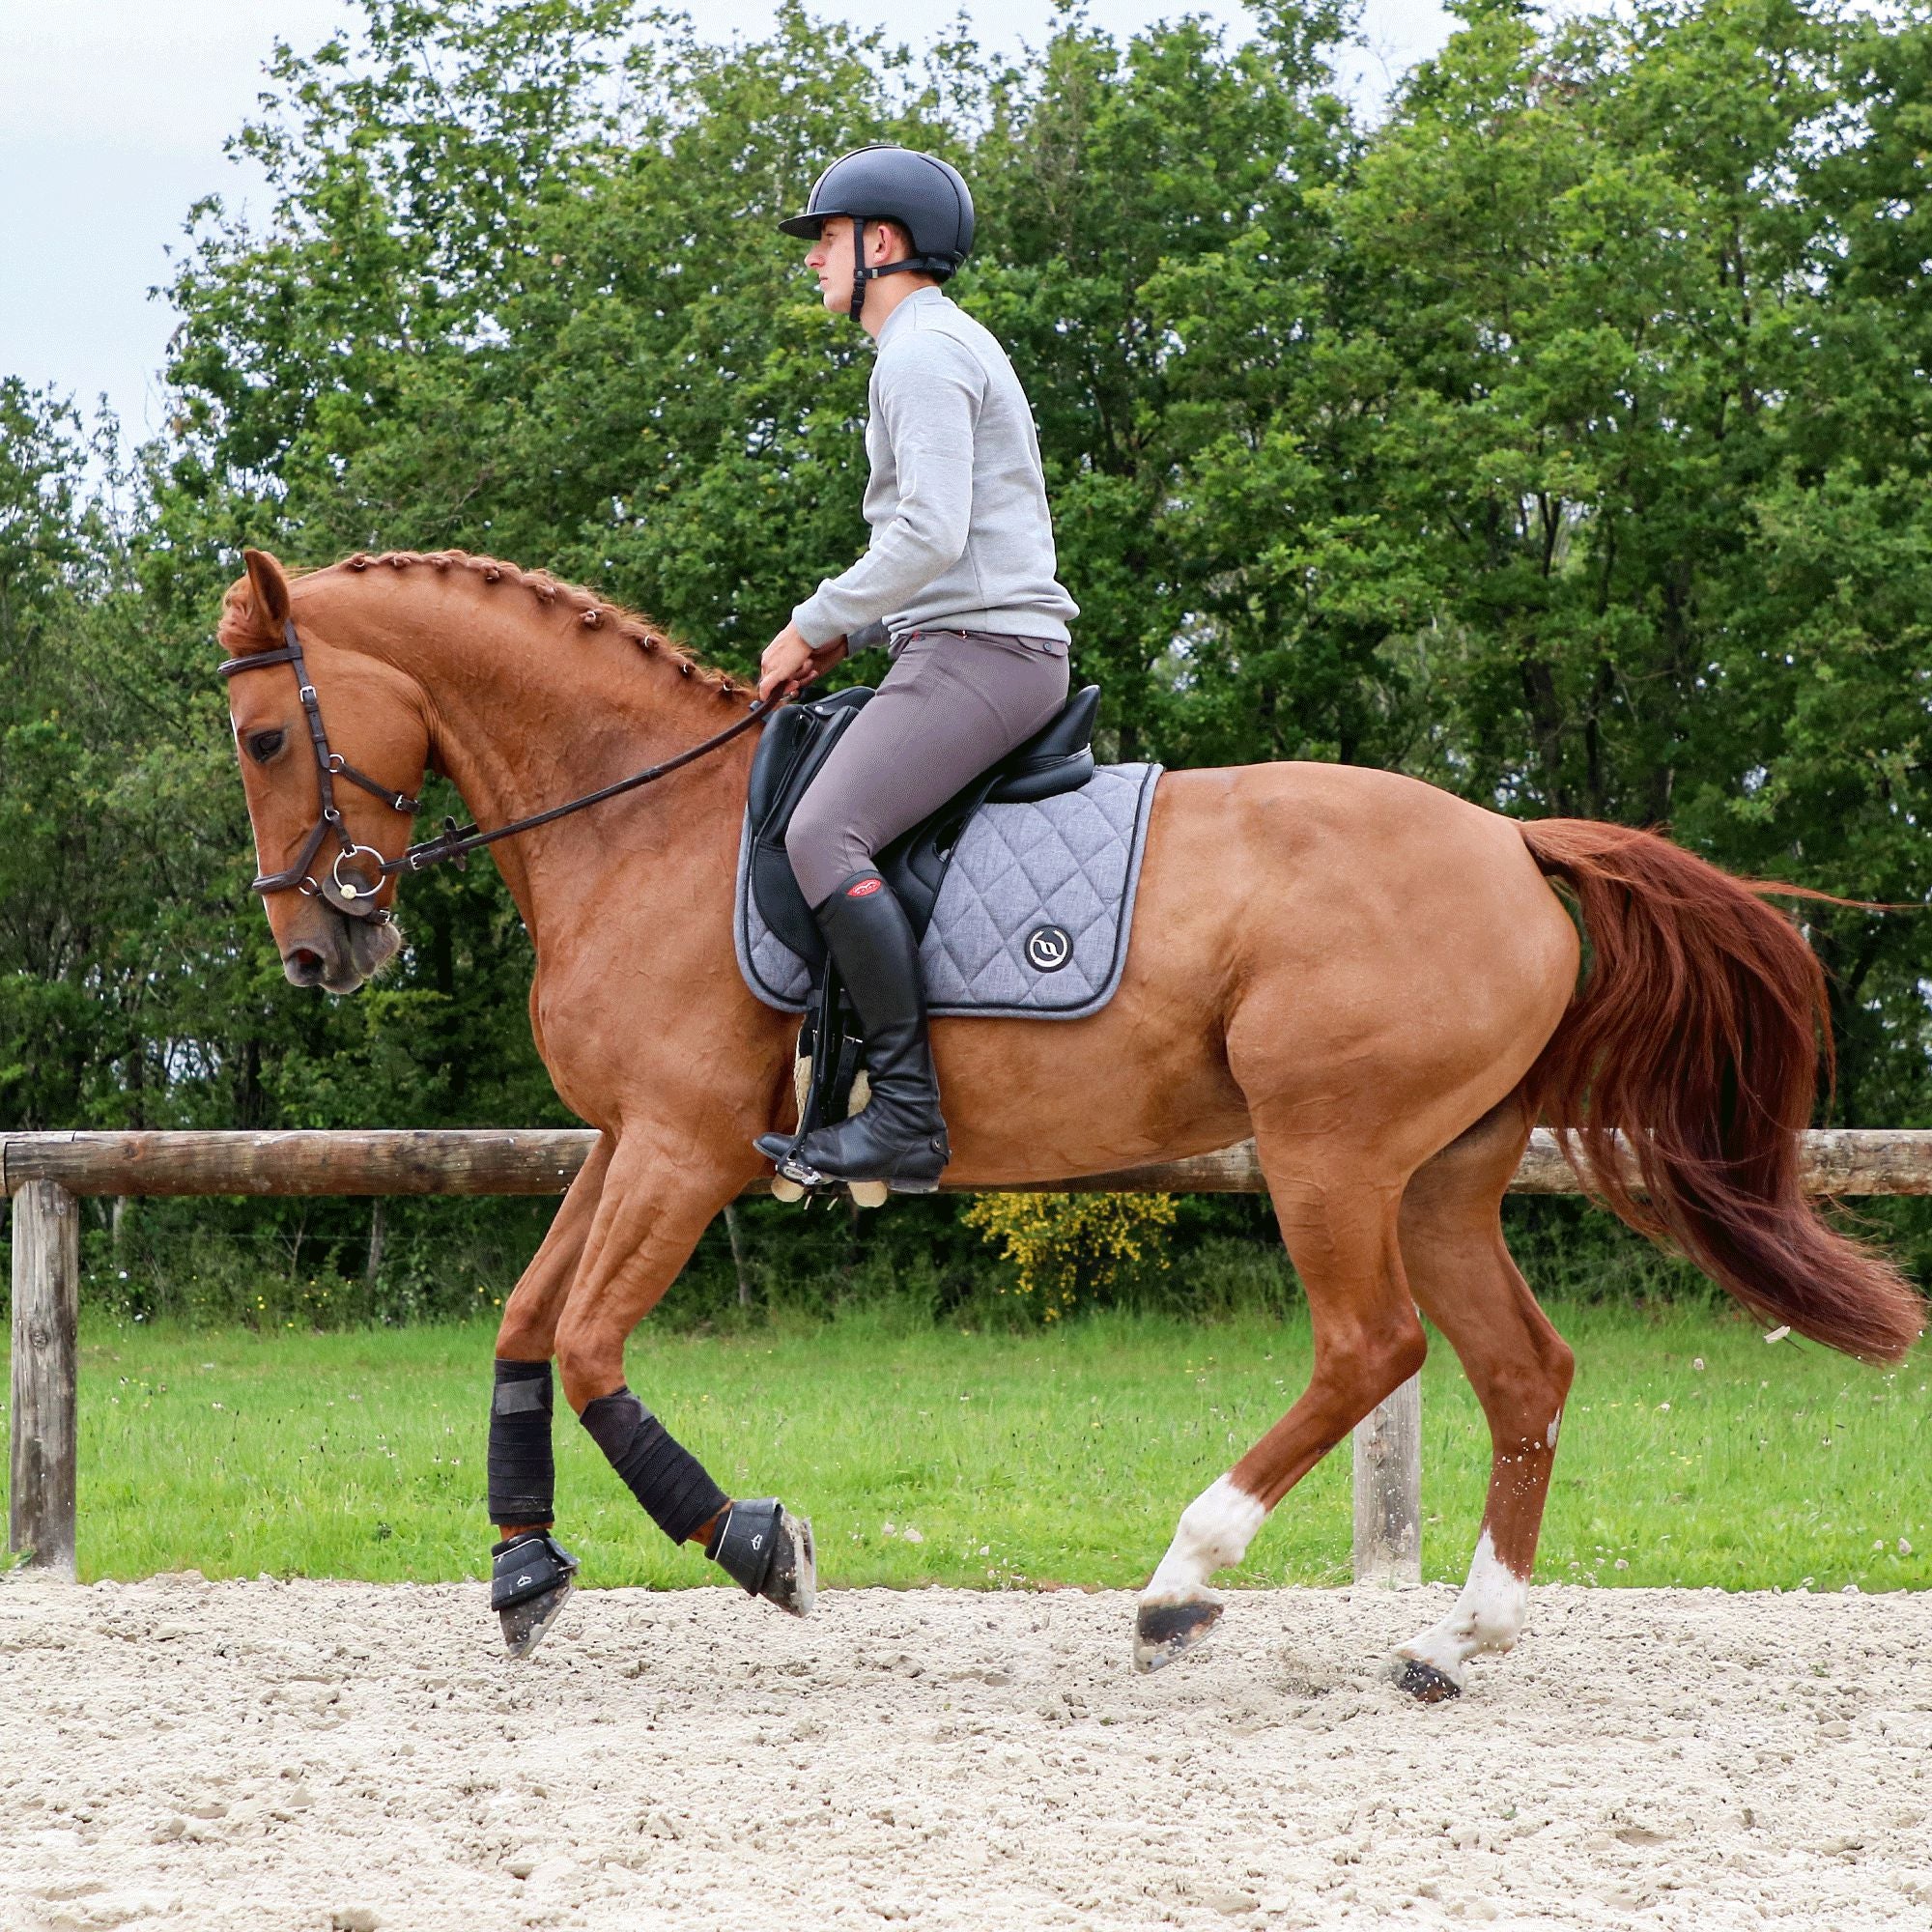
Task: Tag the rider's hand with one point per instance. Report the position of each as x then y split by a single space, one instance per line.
790 661
785 666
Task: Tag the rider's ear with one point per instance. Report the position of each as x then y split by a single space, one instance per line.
270 590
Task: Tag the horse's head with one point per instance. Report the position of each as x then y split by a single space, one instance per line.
331 778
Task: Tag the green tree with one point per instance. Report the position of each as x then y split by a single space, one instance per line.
1561 438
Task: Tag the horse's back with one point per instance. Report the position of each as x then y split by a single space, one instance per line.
1306 840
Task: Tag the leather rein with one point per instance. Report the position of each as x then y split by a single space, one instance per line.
355 895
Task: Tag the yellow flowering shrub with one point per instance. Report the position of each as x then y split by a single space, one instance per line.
1064 1249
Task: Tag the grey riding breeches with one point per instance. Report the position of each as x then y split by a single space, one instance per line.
953 702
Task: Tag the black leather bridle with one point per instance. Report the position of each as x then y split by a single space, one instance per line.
355 895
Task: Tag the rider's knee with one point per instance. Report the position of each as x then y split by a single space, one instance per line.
822 850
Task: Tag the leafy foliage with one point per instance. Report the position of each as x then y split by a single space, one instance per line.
1068 1251
1562 439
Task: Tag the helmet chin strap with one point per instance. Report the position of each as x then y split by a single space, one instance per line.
860 274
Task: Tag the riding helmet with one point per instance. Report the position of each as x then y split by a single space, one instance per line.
927 198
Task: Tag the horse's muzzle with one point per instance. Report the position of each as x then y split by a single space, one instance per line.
337 954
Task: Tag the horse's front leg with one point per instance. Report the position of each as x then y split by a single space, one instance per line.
657 1201
531 1571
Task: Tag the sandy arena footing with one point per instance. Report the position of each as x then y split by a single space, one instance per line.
308 1756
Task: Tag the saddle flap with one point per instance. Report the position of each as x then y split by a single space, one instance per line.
794 744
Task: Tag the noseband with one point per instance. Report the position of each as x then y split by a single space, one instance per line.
356 893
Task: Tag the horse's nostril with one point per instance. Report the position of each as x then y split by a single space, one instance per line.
306 961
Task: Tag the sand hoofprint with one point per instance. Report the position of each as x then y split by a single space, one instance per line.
180 1754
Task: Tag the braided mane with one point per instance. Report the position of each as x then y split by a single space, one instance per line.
594 612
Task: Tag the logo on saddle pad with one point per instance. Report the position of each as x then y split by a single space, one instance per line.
865 889
1048 948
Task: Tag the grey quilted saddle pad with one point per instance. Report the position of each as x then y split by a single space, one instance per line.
1031 919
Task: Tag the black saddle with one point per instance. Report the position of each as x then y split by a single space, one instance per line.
1058 757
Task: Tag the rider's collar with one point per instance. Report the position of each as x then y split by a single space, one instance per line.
919 299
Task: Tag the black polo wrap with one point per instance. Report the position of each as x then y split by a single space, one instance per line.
658 1470
523 1473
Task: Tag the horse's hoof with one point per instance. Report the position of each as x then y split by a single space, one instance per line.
793 1582
870 1193
1424 1682
762 1545
1163 1631
526 1625
785 1190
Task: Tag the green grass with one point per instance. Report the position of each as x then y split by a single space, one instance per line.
1057 1457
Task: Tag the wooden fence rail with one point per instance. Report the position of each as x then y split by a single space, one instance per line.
44 1172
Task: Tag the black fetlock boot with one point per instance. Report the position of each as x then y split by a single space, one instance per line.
897 1136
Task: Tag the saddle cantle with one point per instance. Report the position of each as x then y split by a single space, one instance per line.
1058 757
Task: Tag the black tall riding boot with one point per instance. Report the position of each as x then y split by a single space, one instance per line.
897 1136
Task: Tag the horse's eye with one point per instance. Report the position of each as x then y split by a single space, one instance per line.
264 745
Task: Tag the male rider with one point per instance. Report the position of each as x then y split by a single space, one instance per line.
957 583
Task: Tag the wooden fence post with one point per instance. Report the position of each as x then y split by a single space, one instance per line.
737 1255
46 1318
1388 1489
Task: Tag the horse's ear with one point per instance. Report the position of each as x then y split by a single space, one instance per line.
270 590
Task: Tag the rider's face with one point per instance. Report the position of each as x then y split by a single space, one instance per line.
829 258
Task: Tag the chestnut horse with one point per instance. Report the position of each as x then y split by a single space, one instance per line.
1372 978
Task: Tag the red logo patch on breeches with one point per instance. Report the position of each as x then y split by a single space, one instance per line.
865 889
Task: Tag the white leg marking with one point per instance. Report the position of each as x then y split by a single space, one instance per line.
1488 1616
1555 1423
1214 1532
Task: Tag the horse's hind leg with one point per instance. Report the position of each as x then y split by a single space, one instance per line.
1340 1233
1464 1281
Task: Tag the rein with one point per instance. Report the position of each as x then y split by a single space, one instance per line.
454 841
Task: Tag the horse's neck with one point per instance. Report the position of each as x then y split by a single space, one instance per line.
522 721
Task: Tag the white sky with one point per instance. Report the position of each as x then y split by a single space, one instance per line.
113 112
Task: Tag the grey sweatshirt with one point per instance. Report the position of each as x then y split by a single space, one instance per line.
961 539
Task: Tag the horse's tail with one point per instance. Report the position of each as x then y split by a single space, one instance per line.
1694 1039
